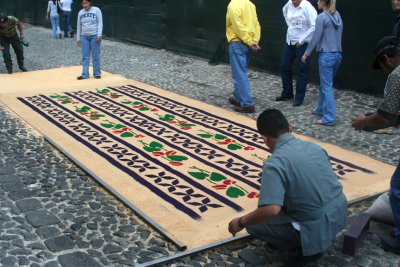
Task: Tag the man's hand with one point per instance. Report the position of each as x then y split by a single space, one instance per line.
98 39
234 226
21 36
255 47
297 44
304 58
78 43
358 122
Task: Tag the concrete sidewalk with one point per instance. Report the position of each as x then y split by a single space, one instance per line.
53 214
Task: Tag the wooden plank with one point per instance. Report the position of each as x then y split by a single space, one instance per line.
356 233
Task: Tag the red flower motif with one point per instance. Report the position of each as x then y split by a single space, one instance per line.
139 136
158 153
219 186
172 122
154 110
171 152
253 195
186 128
222 143
229 182
94 119
175 163
249 148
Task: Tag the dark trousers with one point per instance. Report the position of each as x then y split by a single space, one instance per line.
395 199
291 53
282 236
15 42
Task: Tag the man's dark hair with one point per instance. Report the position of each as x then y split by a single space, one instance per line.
272 123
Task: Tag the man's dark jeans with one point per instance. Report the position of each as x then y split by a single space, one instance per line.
291 53
15 42
66 16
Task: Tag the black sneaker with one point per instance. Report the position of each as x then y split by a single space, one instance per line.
9 71
283 98
23 69
97 77
390 243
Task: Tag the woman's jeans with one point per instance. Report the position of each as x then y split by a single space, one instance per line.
239 55
90 46
394 198
291 53
329 63
55 25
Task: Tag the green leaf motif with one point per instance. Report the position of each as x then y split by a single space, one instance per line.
97 115
234 147
234 192
126 102
107 125
83 109
151 149
199 175
119 126
205 135
216 177
136 103
220 137
54 96
177 158
187 125
167 117
155 145
103 91
144 108
127 134
66 102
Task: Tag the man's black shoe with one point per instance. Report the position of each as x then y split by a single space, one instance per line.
233 101
390 243
283 98
297 103
23 69
97 77
9 71
300 260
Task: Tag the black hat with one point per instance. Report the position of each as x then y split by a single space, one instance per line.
384 44
3 18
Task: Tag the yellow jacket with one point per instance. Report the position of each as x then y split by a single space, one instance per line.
242 22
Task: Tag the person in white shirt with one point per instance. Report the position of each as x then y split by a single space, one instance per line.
300 17
66 17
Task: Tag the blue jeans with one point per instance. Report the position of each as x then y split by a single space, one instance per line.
239 55
329 63
67 23
290 53
90 46
395 199
55 25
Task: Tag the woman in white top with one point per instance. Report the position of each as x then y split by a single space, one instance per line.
54 18
300 18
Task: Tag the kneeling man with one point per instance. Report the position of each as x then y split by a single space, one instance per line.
301 206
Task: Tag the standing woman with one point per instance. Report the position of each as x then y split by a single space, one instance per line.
328 40
54 18
89 35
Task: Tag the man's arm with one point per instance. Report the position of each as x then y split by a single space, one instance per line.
20 27
258 216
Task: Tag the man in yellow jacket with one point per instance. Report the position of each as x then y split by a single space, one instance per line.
243 32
